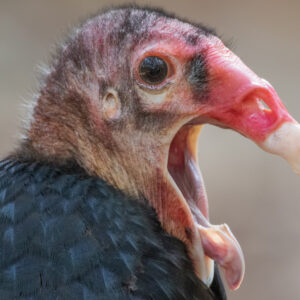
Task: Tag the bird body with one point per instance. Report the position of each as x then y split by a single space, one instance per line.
104 198
67 235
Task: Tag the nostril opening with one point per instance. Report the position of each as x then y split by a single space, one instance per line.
264 105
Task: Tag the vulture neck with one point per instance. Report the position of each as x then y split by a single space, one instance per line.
131 160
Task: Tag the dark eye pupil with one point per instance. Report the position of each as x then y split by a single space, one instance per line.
153 70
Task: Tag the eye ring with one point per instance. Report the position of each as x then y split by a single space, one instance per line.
153 70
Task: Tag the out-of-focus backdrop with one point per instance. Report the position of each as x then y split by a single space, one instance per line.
257 194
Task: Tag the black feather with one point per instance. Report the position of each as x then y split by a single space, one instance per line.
65 235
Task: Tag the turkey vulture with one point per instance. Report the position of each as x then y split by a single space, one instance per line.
104 199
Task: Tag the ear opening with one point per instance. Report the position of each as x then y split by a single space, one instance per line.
111 105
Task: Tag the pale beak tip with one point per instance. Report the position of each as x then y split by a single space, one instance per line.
285 142
295 167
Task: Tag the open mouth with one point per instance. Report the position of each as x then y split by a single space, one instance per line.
218 243
184 169
259 115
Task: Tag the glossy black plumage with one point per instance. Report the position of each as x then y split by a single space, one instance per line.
65 235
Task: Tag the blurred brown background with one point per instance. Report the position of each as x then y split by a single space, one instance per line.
255 193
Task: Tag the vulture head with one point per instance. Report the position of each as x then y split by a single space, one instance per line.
126 97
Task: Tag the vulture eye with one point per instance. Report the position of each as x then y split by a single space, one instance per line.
153 70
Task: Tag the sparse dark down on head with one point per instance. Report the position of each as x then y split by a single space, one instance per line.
125 99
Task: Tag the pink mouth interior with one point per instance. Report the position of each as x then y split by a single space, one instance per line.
218 242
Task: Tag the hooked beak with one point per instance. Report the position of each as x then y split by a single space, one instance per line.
250 105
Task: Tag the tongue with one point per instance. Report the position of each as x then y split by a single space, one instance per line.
220 245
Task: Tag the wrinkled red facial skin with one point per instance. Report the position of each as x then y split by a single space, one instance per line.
236 96
233 91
